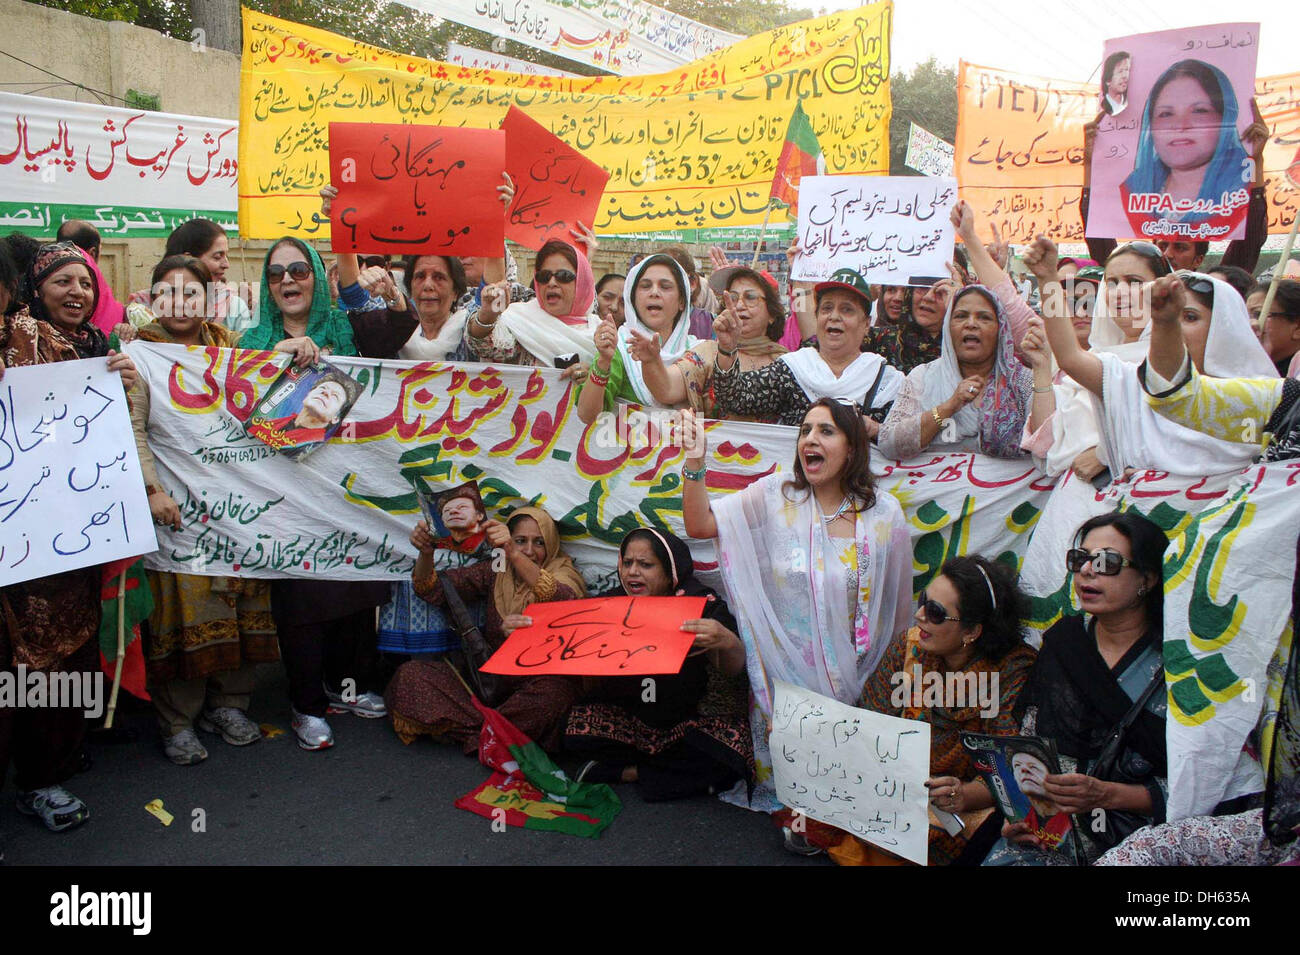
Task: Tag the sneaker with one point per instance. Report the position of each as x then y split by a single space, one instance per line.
312 731
369 705
55 806
233 724
184 749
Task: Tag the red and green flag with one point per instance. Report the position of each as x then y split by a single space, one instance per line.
533 792
138 605
800 156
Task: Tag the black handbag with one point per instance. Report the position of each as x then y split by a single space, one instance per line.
474 650
1120 824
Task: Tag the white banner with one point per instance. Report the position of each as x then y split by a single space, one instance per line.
622 36
854 769
927 153
71 494
130 172
894 230
474 59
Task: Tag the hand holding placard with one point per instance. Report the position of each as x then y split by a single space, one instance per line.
603 636
408 190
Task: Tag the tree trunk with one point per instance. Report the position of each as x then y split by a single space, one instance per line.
216 24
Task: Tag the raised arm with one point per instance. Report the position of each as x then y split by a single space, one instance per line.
591 399
990 272
1084 367
667 385
1038 356
697 512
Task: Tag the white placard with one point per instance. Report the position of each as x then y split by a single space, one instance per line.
894 230
71 493
859 771
927 153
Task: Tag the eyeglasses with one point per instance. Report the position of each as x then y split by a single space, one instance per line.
750 297
563 276
1149 251
934 612
1105 562
1200 284
297 271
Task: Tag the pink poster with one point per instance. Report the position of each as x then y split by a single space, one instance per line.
1169 162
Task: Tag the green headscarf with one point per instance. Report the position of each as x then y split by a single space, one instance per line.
327 326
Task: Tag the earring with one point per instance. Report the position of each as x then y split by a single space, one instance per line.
1142 591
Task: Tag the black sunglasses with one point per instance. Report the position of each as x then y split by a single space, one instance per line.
297 271
1200 284
563 276
375 261
935 613
1149 251
1106 562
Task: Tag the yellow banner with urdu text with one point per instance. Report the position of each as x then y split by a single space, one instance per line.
692 148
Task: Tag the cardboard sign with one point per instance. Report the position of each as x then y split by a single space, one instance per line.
555 185
71 492
894 230
411 190
604 636
1169 162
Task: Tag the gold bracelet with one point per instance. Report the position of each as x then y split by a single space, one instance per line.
938 418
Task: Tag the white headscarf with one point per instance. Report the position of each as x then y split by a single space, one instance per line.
679 340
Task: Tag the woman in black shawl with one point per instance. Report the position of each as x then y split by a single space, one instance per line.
675 735
1089 675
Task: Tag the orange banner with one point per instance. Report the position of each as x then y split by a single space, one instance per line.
1019 150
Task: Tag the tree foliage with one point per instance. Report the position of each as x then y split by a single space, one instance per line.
928 97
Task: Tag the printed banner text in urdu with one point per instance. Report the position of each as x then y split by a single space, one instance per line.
693 148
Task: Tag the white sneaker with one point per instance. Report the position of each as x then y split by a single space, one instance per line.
233 724
368 705
184 749
312 731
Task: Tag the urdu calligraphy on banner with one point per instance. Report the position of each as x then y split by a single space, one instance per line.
474 59
691 149
132 173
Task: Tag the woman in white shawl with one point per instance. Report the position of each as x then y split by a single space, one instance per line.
974 397
656 302
556 325
1131 435
818 566
434 285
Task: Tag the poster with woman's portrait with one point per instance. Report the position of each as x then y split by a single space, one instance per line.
303 409
1169 161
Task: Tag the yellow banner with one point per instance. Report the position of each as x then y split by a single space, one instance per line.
693 148
1019 151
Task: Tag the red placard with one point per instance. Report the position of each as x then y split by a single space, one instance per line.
555 185
604 636
410 190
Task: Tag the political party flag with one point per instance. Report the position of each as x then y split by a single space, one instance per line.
800 156
532 791
139 604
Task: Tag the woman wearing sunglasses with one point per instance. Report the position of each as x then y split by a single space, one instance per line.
968 634
557 324
1091 673
818 565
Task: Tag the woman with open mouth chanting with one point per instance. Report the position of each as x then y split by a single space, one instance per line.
691 734
327 628
836 367
657 306
51 624
428 696
754 301
819 568
207 633
1097 689
975 397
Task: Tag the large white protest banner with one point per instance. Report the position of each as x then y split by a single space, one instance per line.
71 494
621 36
130 172
467 56
894 230
927 153
854 769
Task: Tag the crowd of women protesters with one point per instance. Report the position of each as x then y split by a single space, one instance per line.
1131 361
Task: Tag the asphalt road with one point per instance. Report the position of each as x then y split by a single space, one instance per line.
370 800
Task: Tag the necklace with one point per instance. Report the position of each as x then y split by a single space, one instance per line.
844 506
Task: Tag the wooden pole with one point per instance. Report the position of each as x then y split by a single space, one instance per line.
1279 270
121 649
758 246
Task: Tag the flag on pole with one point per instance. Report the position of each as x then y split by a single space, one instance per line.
139 604
800 156
530 791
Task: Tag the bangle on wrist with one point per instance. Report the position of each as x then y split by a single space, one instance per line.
695 474
1042 391
729 354
938 418
595 376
